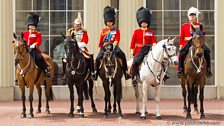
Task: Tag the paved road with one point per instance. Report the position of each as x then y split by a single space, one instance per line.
171 110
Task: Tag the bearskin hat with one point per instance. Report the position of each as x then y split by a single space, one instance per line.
32 19
143 15
109 14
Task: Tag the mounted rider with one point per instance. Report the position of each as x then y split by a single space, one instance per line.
33 40
142 40
186 41
82 38
110 35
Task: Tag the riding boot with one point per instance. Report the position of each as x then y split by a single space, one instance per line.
134 75
207 58
125 69
180 66
63 68
44 66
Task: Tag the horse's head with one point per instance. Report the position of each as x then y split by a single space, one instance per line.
70 46
109 61
198 41
20 48
170 51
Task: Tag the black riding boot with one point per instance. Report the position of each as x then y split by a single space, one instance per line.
125 68
180 66
208 60
134 75
44 67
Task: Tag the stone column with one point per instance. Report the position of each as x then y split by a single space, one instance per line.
219 45
6 50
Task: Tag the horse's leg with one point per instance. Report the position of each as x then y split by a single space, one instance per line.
201 97
49 93
71 89
115 99
137 99
31 87
80 98
106 97
157 98
85 90
109 102
23 97
78 105
91 96
184 93
144 99
190 96
39 91
195 98
118 92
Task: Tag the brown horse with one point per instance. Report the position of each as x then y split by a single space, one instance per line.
28 75
194 73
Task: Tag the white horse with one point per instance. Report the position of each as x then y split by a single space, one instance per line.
152 72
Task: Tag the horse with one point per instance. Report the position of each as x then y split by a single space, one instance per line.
111 73
77 73
29 75
152 71
194 73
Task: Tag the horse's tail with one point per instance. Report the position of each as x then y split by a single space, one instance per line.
49 91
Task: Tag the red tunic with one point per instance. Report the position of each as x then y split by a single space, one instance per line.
185 33
141 38
33 37
115 36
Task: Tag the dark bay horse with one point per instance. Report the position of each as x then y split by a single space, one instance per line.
77 73
194 73
28 76
111 74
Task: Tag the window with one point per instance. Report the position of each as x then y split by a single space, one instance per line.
169 15
56 16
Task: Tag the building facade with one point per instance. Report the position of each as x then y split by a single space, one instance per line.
58 16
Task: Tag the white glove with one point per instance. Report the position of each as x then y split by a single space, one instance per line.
82 45
32 46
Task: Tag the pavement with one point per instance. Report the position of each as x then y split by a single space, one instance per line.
171 110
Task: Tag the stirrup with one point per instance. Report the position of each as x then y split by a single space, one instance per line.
47 73
209 73
134 81
127 75
94 75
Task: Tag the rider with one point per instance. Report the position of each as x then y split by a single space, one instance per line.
142 40
33 40
110 35
82 40
186 41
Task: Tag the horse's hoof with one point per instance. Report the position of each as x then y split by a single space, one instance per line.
23 115
30 115
105 115
109 111
38 111
120 117
158 117
78 110
94 110
202 116
143 117
114 111
146 113
47 112
137 113
82 115
196 111
70 114
188 116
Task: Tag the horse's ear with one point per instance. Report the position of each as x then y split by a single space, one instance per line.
63 35
201 27
14 35
73 35
22 35
192 27
168 38
173 40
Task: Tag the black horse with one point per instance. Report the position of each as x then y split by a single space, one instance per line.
78 73
111 73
